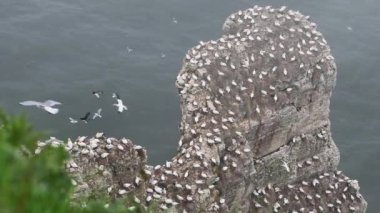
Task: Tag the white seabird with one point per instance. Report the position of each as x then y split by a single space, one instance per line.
285 165
46 105
97 114
129 49
97 93
73 121
120 106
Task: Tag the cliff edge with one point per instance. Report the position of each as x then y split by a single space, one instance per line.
255 128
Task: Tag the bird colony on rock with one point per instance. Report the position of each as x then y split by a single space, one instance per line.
255 129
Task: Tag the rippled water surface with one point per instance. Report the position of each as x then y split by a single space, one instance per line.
64 49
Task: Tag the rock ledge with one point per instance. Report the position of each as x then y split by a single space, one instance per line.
255 129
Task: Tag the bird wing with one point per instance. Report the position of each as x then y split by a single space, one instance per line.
51 110
30 103
86 116
96 115
51 103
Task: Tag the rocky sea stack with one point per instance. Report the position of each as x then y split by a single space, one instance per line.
255 129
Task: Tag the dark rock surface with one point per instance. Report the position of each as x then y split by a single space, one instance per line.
255 129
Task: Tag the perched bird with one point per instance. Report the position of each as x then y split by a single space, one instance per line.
85 118
73 121
97 114
97 93
286 166
46 105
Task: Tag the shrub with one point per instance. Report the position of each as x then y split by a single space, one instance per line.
38 183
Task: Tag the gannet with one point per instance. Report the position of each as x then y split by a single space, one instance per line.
73 121
46 105
97 114
97 93
285 165
120 106
85 118
129 49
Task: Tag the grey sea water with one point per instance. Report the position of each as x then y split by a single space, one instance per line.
64 49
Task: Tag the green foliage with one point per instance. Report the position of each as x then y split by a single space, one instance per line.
28 182
38 183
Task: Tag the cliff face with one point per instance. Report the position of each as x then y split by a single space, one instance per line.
255 129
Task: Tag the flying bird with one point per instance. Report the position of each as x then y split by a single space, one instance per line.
85 118
73 121
120 106
46 105
129 49
97 93
97 114
115 95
